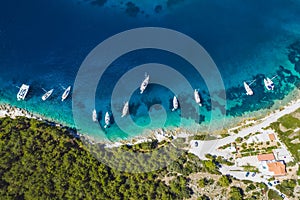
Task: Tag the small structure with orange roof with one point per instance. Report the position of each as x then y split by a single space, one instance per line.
266 157
277 168
270 166
272 137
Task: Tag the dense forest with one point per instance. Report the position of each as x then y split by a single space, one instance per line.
42 161
39 161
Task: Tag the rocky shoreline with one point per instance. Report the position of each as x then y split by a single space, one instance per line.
13 112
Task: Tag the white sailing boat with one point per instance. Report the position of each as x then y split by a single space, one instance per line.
125 109
47 95
22 92
66 93
248 89
106 120
175 103
94 116
269 83
144 83
197 97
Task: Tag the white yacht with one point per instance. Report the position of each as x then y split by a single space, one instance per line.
248 89
22 92
107 120
125 109
94 116
175 103
145 83
269 83
66 93
47 95
197 97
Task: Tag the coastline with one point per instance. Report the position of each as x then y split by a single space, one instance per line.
251 118
236 123
212 146
13 112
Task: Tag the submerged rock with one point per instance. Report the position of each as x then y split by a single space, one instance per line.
173 2
158 8
132 10
297 67
294 55
99 2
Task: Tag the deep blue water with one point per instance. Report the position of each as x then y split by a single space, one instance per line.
43 43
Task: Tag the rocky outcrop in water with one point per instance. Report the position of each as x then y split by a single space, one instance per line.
134 8
98 2
294 55
171 3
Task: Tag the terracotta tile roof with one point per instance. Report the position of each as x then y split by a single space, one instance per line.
263 157
278 168
272 136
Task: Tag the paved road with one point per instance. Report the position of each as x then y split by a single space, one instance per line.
211 146
241 175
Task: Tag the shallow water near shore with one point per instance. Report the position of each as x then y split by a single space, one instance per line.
45 50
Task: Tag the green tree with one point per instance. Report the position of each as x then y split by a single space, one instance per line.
224 181
287 187
39 161
202 182
203 197
274 195
250 187
236 193
210 166
239 140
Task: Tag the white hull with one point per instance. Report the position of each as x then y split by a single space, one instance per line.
125 109
269 84
248 89
66 93
22 92
47 95
107 120
144 84
94 116
197 97
175 103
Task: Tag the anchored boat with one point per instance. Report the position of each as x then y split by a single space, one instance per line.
66 93
47 95
175 103
125 109
22 92
94 116
106 120
144 83
197 97
248 89
269 84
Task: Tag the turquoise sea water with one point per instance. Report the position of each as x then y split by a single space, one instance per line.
43 43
